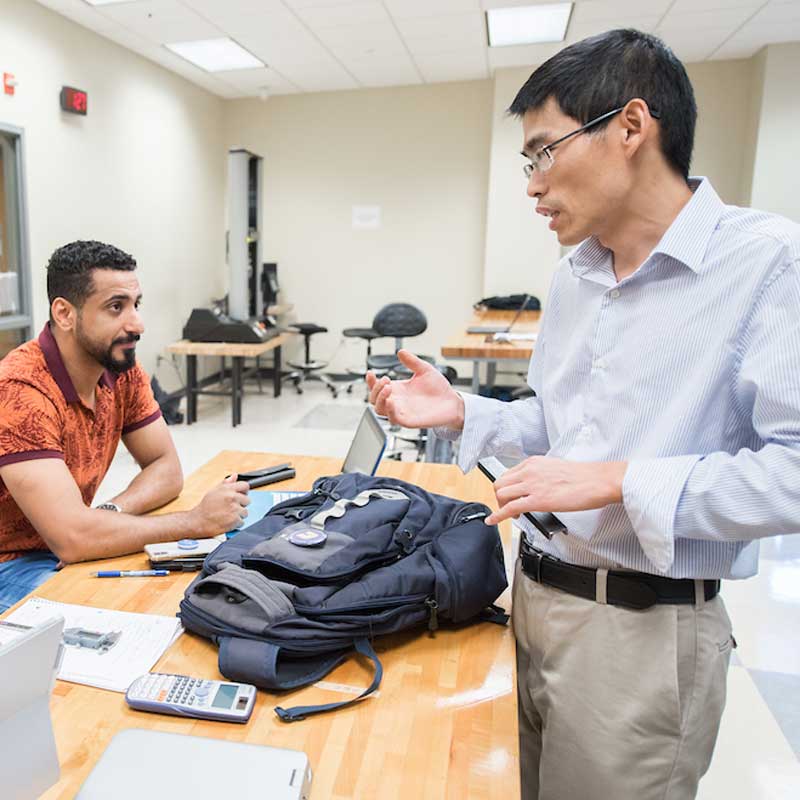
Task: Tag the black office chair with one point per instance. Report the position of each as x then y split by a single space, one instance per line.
398 320
308 370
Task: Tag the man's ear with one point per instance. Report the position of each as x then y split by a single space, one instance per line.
63 314
637 125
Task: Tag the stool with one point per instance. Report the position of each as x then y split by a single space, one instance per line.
367 334
307 370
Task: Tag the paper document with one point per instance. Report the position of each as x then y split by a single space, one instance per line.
523 336
103 648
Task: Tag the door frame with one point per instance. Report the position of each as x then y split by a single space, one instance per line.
24 319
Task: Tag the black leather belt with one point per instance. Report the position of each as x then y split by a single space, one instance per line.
630 589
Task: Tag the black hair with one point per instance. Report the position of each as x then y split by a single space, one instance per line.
69 270
604 72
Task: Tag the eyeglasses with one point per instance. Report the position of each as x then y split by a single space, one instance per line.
542 160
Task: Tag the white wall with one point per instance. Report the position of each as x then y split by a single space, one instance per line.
144 170
521 252
420 153
775 170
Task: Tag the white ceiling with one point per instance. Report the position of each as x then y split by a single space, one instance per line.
325 45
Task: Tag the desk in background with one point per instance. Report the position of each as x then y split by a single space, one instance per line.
238 353
443 724
474 347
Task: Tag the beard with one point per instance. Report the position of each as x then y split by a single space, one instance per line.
103 353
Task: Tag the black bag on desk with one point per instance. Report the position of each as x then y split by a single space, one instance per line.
285 611
509 302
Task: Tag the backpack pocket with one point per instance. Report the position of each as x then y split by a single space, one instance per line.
242 599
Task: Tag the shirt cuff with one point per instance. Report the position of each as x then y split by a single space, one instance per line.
651 490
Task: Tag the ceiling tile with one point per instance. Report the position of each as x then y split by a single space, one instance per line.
162 21
444 34
578 30
529 55
705 19
402 9
594 10
778 12
253 81
682 6
347 13
318 76
84 14
694 45
456 66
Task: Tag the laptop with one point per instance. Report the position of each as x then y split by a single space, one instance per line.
150 764
29 661
368 445
497 328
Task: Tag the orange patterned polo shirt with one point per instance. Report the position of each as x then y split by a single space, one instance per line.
41 416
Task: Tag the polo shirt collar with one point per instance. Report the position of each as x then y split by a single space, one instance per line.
52 357
686 240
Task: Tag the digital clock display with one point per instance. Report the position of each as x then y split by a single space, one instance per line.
75 101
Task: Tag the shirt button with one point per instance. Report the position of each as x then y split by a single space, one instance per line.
600 363
615 294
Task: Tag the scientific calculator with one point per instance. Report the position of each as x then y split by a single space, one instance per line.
183 696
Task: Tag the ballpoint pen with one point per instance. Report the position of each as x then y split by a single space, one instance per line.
132 573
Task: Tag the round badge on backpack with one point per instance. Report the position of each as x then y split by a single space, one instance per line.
308 537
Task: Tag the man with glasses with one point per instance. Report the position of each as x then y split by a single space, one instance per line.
665 430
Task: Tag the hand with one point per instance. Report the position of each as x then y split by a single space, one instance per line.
425 400
223 508
550 484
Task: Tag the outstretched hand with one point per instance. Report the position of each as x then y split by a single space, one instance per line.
425 400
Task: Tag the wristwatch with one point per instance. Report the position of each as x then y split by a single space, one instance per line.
109 506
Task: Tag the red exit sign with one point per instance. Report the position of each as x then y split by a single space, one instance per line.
75 101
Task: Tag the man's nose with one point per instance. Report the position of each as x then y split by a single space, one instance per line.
135 323
536 184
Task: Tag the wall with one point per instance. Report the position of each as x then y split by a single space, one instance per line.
521 252
774 186
144 170
420 153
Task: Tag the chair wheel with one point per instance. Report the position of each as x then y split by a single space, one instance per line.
299 389
350 389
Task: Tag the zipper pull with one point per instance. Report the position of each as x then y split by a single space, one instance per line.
433 619
470 517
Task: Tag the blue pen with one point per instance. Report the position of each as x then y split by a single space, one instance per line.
132 573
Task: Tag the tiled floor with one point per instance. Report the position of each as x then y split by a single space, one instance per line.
758 751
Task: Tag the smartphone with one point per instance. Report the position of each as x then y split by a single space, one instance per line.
547 524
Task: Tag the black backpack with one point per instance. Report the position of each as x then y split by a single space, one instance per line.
290 597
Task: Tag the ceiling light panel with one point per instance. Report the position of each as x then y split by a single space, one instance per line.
528 24
215 55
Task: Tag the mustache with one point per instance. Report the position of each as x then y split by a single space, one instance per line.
134 337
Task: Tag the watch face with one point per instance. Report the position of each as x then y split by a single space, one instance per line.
109 507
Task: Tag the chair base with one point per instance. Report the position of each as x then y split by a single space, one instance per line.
300 377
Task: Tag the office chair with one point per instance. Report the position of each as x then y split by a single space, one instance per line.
397 320
307 370
367 334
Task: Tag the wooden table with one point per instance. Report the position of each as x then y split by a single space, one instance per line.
444 722
238 353
474 347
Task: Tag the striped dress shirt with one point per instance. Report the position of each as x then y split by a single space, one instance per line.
689 370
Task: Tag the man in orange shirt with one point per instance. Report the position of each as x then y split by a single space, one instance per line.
66 399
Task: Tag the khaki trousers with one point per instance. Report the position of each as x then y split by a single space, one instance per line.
616 704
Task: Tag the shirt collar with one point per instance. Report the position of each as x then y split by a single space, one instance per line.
52 357
686 240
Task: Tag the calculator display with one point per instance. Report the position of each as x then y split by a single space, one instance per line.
226 694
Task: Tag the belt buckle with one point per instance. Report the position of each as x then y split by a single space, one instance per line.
538 555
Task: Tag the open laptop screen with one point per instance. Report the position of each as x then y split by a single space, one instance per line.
367 446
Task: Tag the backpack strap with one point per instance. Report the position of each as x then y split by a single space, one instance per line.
297 713
256 661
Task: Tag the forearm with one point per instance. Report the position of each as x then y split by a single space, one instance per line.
97 533
718 497
492 428
153 487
